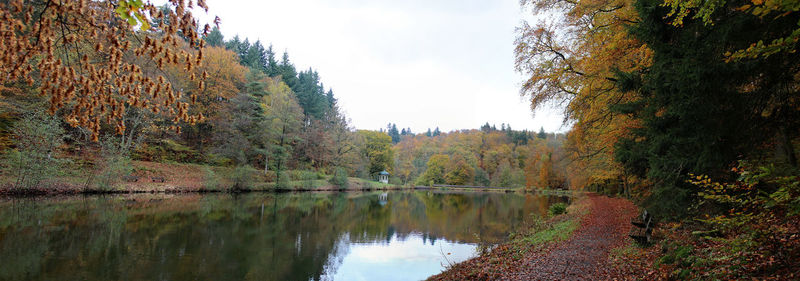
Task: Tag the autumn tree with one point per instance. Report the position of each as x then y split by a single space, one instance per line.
572 59
225 79
80 55
546 170
436 170
284 120
317 145
458 171
782 40
345 150
378 149
238 136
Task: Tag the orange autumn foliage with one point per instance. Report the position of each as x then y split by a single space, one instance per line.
577 68
85 56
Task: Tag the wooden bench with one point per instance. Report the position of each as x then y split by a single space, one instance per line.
642 232
158 179
130 178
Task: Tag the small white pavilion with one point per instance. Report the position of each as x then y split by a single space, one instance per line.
383 176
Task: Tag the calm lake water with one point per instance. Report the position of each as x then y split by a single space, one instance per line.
306 236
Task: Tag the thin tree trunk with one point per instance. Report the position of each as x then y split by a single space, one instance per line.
280 162
788 147
266 162
625 188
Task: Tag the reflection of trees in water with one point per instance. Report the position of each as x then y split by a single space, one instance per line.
340 250
234 237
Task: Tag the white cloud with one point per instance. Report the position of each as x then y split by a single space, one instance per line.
419 64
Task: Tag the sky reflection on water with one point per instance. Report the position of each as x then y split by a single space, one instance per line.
260 236
413 257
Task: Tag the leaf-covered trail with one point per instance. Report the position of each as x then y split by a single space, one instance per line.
584 256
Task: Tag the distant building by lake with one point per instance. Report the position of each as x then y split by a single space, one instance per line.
383 176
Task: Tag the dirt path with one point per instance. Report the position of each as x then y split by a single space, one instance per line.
584 256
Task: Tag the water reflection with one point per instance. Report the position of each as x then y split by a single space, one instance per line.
409 258
308 236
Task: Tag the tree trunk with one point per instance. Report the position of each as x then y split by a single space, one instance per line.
266 161
788 147
280 162
625 188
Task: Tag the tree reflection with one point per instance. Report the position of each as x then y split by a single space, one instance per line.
232 237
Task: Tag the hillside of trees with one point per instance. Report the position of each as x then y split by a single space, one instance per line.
252 110
690 108
486 157
173 93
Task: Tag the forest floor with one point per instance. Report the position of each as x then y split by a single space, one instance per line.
601 225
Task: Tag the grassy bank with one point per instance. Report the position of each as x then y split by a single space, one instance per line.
146 177
535 237
154 177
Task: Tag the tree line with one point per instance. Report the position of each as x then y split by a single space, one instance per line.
484 157
171 92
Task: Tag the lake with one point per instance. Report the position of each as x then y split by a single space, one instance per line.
403 235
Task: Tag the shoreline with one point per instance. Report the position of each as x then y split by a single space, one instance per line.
73 191
567 246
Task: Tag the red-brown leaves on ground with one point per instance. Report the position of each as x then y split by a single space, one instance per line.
581 257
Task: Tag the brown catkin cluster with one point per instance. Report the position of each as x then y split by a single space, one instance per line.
85 57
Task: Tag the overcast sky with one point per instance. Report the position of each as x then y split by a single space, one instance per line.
416 63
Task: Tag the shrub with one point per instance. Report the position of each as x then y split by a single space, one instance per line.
421 180
172 151
217 160
38 137
557 209
212 180
308 179
114 163
241 178
270 176
282 179
339 178
300 175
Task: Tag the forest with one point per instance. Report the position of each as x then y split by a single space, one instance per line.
243 115
688 108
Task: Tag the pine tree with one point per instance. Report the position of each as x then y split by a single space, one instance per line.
287 72
214 38
486 128
256 57
272 64
391 129
542 134
311 95
239 47
331 100
699 112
